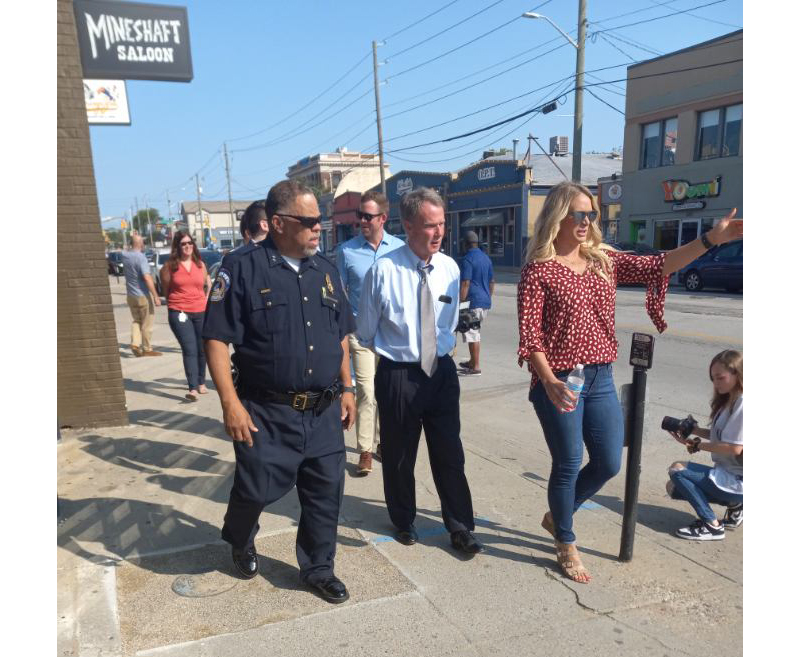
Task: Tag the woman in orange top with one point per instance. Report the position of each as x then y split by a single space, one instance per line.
186 282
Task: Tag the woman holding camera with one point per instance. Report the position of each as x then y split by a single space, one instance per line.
565 303
701 485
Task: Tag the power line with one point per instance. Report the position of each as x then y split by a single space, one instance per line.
605 103
452 50
313 100
702 18
424 18
475 84
615 47
656 18
427 40
474 73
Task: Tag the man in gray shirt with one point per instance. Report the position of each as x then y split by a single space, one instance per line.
141 297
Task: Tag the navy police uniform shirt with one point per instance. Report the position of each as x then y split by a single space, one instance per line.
286 327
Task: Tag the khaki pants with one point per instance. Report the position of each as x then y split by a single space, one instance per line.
365 363
142 311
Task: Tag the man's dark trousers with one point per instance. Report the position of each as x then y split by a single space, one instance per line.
291 448
408 400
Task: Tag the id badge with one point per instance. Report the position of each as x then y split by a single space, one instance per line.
182 317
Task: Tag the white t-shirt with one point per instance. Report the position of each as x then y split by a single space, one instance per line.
294 263
728 427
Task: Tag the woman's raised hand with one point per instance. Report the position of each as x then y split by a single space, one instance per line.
727 229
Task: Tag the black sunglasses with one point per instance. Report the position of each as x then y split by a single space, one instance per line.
308 222
366 216
186 243
579 215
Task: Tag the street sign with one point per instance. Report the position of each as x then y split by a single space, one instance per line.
133 41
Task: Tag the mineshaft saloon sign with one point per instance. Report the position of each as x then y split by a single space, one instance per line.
133 41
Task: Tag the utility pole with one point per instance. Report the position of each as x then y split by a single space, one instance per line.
138 218
199 211
378 113
169 213
149 223
577 133
230 202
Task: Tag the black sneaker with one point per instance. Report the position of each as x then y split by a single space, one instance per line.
734 516
700 530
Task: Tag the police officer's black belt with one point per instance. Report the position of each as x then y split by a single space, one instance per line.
318 401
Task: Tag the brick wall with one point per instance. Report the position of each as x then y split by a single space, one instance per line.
90 391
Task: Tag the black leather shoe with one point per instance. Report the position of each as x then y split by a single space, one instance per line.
330 589
465 542
406 536
245 561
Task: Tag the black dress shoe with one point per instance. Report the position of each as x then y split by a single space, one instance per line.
245 561
330 588
465 542
406 536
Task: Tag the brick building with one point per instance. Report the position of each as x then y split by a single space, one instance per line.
89 377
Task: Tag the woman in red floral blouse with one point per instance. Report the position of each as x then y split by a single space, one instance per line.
565 303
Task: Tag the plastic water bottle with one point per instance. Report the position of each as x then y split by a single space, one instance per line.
575 382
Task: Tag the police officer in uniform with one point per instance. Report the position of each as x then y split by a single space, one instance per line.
282 306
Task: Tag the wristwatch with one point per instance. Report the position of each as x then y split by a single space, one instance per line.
351 389
706 242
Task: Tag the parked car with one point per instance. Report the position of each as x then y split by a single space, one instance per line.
114 259
155 269
210 257
721 266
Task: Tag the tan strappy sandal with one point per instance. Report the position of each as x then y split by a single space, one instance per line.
547 524
570 562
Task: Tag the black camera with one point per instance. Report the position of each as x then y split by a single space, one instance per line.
468 320
684 427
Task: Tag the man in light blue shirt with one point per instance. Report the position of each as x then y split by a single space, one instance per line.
353 259
408 312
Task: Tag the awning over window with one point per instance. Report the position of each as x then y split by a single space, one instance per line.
491 219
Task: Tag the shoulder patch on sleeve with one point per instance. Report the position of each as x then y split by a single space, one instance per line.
221 285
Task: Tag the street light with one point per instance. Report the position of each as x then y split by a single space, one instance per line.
577 132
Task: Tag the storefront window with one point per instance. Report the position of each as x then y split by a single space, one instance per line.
510 227
496 240
666 234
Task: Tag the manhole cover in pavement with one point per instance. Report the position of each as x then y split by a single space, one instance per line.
204 585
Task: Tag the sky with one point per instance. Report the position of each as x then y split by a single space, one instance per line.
278 81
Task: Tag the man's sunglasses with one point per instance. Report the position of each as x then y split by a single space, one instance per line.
366 216
579 215
308 222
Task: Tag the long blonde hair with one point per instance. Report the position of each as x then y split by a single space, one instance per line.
733 361
555 209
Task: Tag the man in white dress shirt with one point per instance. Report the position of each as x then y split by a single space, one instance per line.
408 312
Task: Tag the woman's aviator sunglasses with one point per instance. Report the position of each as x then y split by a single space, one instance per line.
186 243
578 216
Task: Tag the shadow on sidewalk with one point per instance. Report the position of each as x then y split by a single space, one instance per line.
152 388
658 518
180 421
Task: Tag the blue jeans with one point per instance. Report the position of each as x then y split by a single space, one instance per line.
190 338
597 423
695 486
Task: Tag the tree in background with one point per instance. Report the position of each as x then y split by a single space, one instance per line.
140 221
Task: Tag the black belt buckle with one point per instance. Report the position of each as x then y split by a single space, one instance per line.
300 401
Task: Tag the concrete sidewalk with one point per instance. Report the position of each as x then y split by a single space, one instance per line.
142 571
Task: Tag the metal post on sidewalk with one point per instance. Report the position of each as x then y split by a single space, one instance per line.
642 359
